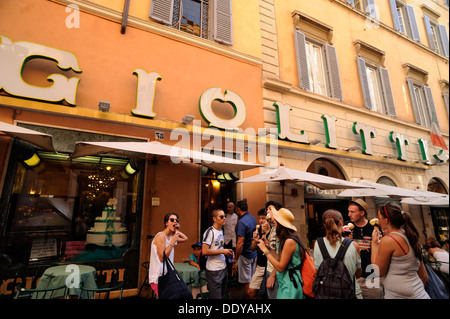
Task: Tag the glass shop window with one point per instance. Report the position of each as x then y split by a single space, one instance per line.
82 209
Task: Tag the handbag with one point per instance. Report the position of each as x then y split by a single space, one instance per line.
170 284
434 287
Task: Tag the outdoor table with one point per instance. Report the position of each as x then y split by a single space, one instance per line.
188 273
56 277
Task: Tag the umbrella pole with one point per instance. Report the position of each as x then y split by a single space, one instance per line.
282 192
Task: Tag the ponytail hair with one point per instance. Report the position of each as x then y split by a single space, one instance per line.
400 219
331 219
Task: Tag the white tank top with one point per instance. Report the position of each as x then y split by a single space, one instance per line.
156 266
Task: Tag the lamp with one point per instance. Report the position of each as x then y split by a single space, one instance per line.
353 148
389 156
187 119
33 161
315 141
104 106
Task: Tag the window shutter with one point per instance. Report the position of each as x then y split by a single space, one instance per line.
445 96
371 9
412 23
333 72
426 20
364 82
302 63
351 2
395 18
387 92
162 11
413 101
223 22
430 105
444 39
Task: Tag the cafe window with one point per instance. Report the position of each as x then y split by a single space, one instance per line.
60 209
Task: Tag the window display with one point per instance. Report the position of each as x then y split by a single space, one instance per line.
82 209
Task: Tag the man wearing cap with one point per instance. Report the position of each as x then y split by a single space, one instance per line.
362 234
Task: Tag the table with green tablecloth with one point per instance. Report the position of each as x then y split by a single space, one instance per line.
188 273
77 274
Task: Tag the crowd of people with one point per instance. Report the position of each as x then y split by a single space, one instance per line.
356 259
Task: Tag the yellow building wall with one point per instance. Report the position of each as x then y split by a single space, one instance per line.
348 27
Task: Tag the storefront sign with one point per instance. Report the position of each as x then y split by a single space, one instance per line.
14 56
366 132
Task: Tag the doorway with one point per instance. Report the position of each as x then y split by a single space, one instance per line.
217 190
315 210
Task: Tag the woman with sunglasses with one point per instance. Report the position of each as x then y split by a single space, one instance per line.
398 255
164 241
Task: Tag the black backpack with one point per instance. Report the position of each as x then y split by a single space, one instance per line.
202 258
333 281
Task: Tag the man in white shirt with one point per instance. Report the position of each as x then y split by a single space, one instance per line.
230 226
212 247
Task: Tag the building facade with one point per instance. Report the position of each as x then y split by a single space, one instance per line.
105 71
349 89
354 89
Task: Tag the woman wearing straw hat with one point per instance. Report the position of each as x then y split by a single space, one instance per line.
288 277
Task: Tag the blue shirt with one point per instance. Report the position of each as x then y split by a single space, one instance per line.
245 228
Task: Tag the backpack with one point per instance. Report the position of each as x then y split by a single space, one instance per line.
333 281
202 258
307 270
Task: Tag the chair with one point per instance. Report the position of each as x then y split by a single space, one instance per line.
201 283
104 288
90 293
47 293
145 283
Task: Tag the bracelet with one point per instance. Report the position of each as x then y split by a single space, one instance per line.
267 252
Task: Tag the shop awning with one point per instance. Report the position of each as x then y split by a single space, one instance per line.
159 150
388 190
38 139
291 175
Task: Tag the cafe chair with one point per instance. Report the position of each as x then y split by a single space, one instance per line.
145 283
201 283
99 293
46 293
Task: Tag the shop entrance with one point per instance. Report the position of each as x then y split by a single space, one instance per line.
216 191
315 210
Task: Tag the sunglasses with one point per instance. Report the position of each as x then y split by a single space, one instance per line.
221 216
173 220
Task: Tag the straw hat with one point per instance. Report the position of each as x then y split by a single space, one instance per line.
362 204
284 217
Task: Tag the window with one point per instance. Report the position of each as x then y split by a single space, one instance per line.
366 6
404 19
422 103
208 19
375 81
317 63
437 36
316 71
318 68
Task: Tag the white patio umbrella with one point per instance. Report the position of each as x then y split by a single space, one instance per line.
428 201
163 151
42 140
387 190
284 174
